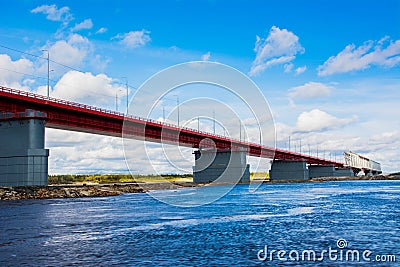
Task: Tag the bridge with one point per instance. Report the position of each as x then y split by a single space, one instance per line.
25 114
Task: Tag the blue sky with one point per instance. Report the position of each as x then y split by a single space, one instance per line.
329 69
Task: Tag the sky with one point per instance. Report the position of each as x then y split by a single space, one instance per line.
330 70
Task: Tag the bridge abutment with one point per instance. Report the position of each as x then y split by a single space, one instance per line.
220 166
23 159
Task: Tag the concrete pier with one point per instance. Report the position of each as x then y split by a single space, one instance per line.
321 171
23 159
220 166
344 172
289 170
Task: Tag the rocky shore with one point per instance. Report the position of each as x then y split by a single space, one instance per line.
75 191
67 191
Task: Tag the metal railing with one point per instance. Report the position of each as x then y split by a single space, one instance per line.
109 112
124 116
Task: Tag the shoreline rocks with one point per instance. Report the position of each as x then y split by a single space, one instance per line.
66 191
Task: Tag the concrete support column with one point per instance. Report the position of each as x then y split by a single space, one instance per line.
321 171
344 172
220 166
23 159
288 170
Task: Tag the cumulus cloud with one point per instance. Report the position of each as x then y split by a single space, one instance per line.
310 90
12 72
280 47
86 88
382 53
70 52
134 39
54 13
74 152
206 56
318 120
84 25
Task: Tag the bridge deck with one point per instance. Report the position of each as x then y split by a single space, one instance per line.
66 115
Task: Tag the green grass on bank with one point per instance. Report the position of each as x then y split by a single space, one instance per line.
126 178
116 178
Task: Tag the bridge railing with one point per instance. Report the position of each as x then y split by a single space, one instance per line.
107 111
35 97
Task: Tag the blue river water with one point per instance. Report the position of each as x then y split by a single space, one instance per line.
236 230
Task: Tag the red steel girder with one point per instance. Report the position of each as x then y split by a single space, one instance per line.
73 116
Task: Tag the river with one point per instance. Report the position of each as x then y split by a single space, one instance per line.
236 230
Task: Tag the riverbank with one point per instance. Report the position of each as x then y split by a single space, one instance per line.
83 190
105 190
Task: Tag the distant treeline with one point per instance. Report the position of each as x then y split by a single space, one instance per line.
114 178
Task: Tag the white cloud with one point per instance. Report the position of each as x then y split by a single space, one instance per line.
53 13
74 152
206 56
134 39
86 88
383 53
280 46
288 67
84 25
318 120
71 52
12 72
300 70
101 30
310 90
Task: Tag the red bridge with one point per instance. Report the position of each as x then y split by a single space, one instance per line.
66 115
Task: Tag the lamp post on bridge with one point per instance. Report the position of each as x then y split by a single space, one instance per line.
177 107
163 114
116 101
48 72
300 146
214 122
127 93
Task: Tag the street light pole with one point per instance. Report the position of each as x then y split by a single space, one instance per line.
300 146
214 121
127 93
127 96
240 130
48 72
116 101
177 105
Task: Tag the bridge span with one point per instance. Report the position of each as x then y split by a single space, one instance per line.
23 106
